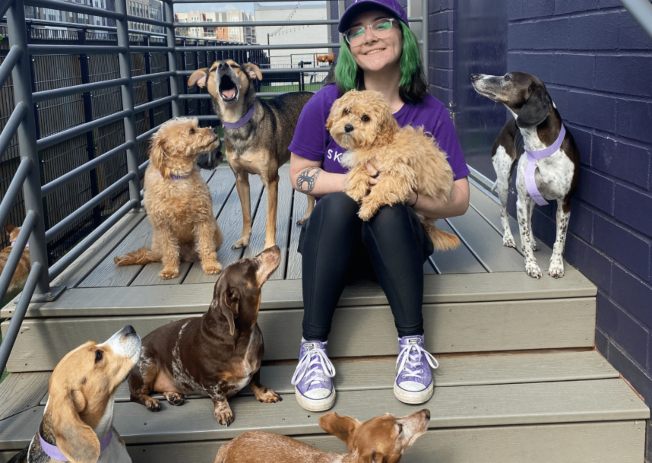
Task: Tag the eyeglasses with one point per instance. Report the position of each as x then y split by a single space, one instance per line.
380 28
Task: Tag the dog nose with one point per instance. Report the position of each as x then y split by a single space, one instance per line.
348 128
474 77
222 66
427 412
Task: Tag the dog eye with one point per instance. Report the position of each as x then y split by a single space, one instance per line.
192 130
400 428
98 356
365 118
346 112
234 66
508 77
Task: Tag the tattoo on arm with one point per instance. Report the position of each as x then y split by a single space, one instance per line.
307 178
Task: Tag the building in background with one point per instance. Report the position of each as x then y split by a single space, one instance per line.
292 34
151 9
239 34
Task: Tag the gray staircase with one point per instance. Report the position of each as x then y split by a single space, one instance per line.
519 378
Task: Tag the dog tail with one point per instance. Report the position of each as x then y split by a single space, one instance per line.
141 256
441 240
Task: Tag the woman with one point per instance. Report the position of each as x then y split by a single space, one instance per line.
378 52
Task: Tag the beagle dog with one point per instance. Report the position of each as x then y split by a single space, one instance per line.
546 156
216 354
379 439
77 423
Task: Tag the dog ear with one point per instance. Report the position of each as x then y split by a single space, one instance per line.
342 427
157 155
76 440
198 78
253 71
226 299
536 107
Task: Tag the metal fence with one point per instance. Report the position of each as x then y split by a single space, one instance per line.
78 106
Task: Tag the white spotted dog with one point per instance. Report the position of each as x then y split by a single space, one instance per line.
547 170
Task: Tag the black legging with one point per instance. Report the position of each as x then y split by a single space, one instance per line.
333 249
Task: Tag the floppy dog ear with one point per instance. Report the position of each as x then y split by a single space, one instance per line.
226 299
198 78
341 427
253 71
157 155
536 108
75 439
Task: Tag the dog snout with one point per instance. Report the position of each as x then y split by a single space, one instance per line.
475 77
426 412
348 128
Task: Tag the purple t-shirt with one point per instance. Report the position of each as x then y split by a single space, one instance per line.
312 141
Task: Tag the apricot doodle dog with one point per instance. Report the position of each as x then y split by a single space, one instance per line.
178 202
406 158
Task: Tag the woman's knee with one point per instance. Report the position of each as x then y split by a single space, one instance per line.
338 204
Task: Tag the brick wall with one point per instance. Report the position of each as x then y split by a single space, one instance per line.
440 49
597 63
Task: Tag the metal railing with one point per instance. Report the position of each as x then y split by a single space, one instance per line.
23 122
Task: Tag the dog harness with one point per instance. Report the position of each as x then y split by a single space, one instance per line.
53 451
532 158
242 121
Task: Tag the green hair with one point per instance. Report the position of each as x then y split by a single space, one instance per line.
412 86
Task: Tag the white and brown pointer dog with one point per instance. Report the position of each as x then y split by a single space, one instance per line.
77 423
257 133
547 170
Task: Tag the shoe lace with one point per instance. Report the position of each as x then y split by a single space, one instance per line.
409 360
314 367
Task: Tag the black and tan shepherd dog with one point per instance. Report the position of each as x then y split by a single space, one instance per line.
257 133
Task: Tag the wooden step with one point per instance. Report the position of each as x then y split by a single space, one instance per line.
566 404
357 330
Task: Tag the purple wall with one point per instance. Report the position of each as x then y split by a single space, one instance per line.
597 63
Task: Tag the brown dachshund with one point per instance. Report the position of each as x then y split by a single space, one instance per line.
217 354
380 439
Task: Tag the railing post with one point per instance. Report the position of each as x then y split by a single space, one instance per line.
168 14
148 70
124 60
21 76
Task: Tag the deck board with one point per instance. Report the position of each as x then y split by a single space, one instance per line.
458 327
451 407
454 370
19 392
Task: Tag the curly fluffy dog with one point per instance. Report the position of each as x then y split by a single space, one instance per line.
178 202
407 159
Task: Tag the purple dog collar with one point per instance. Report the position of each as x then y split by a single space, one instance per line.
241 122
532 158
53 451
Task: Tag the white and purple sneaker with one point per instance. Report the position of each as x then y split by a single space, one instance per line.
413 383
313 377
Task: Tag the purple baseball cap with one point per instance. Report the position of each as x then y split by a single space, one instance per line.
391 6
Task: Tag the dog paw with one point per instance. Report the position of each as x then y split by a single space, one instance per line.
152 404
212 268
174 398
241 243
532 269
508 241
556 269
366 213
223 415
267 396
169 273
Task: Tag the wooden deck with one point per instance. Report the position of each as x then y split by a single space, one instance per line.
519 379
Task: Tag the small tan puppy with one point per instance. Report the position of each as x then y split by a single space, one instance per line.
178 202
77 422
22 270
406 158
380 439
